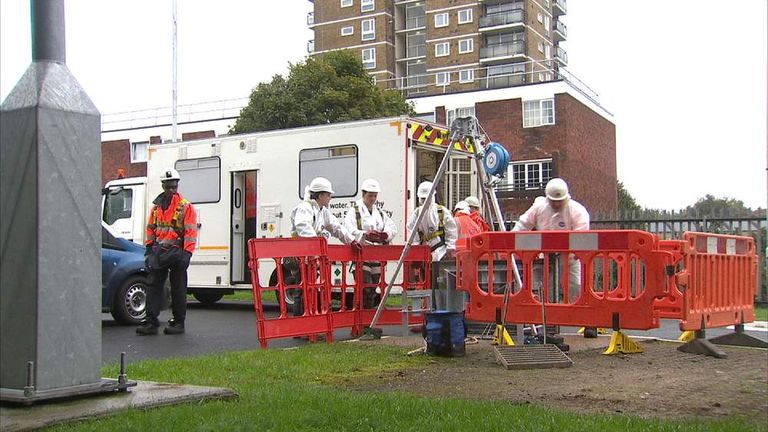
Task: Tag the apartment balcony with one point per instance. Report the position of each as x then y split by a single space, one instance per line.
414 52
560 32
503 53
311 46
414 85
502 20
414 23
561 56
311 19
502 81
559 8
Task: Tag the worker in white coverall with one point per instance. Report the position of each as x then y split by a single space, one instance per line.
437 229
558 211
312 218
366 219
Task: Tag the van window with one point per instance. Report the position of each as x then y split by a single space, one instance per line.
337 164
118 205
200 179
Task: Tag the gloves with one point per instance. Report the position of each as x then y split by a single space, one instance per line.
356 246
376 236
148 250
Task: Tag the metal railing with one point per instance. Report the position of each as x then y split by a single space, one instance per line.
415 22
560 4
417 50
502 18
561 55
196 112
560 27
514 48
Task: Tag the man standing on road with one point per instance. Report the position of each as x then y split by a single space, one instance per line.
376 227
171 239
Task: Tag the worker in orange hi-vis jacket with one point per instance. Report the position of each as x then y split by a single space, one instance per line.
171 239
558 211
474 213
467 226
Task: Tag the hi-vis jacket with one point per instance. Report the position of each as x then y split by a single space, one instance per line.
359 221
541 217
175 226
441 237
308 219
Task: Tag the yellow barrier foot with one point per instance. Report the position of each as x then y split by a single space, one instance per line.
687 336
621 343
501 336
591 332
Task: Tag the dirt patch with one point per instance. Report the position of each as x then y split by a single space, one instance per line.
661 382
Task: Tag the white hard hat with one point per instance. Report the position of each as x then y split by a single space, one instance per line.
472 201
423 190
320 184
557 190
169 174
370 185
461 205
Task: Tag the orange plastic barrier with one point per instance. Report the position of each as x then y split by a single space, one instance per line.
586 278
316 270
716 280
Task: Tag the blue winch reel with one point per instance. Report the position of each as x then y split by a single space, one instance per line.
496 159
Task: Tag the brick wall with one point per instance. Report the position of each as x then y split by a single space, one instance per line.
116 155
581 143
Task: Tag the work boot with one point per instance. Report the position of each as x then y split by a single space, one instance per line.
174 327
146 328
590 332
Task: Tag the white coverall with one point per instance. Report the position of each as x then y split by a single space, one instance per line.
370 221
308 219
572 217
430 224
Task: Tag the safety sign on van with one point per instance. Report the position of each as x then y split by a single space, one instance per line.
432 136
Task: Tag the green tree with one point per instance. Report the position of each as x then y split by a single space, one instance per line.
321 90
627 203
720 207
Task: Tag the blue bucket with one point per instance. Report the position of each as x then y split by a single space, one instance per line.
444 332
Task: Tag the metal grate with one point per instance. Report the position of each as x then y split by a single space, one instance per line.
531 357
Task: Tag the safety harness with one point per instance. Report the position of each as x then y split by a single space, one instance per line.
176 223
359 218
440 232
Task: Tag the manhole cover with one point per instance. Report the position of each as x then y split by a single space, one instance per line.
531 357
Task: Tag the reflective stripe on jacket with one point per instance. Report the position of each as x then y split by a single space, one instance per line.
174 226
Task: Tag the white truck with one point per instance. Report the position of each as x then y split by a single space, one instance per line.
244 186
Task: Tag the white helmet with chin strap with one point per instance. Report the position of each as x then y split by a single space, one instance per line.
370 185
557 190
423 190
320 184
169 174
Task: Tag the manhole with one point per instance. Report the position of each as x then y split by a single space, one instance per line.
531 357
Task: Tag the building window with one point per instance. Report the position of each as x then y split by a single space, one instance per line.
547 52
465 16
466 76
441 20
453 114
442 49
202 179
347 31
529 175
337 164
540 17
346 3
547 24
368 29
541 47
139 151
369 58
538 112
366 5
466 46
442 78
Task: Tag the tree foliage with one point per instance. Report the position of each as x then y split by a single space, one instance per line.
321 90
709 205
627 203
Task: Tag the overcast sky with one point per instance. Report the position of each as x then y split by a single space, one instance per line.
685 79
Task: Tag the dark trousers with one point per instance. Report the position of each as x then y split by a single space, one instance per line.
178 276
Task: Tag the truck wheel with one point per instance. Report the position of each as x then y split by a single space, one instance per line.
207 297
130 303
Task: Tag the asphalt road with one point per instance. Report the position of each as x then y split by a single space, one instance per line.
231 326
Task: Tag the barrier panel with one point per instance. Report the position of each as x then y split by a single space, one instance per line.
326 284
719 273
611 275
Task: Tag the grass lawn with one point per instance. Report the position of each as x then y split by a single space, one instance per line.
761 313
295 390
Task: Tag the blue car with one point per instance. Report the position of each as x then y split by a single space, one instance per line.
124 278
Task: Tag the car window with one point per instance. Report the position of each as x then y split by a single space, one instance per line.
109 241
